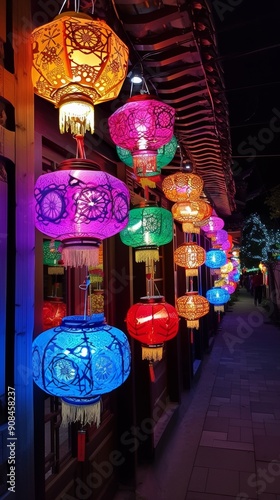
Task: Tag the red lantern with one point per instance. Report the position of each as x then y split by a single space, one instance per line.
53 312
152 321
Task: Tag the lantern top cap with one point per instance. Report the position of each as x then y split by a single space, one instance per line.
74 14
82 321
153 299
145 204
142 97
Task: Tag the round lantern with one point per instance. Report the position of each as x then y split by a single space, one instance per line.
142 126
234 275
164 156
51 253
226 268
213 224
53 313
215 258
152 321
182 186
190 256
229 286
218 296
79 361
192 306
77 62
149 227
188 212
81 207
219 237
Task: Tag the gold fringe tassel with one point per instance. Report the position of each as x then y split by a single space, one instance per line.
79 257
86 414
153 353
146 254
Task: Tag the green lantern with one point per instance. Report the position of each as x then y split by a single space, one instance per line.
165 155
148 228
51 253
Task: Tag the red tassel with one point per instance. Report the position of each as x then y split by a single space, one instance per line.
191 336
152 373
219 317
81 446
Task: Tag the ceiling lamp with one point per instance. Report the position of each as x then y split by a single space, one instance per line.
192 307
142 126
152 321
149 227
189 212
182 186
78 62
165 155
80 206
218 296
79 361
190 256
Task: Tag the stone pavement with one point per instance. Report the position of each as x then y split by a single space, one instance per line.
225 444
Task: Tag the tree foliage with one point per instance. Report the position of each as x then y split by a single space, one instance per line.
273 202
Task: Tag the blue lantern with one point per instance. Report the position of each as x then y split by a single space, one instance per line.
215 258
79 361
218 296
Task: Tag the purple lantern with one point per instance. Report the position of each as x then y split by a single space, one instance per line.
214 224
142 126
80 206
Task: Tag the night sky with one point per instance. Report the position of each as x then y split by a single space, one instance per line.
248 39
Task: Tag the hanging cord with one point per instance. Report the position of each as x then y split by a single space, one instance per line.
84 286
80 150
76 5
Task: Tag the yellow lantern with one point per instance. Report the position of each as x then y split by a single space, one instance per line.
77 62
190 256
192 306
182 186
189 212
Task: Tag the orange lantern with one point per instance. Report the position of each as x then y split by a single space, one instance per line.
189 212
77 62
190 256
182 186
192 306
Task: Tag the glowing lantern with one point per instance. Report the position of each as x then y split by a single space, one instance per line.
229 286
77 62
234 275
226 268
215 258
192 306
164 156
218 296
189 212
152 321
80 206
142 126
219 237
51 253
190 256
149 227
213 224
79 361
182 187
53 313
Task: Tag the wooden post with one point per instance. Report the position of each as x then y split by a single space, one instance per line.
25 253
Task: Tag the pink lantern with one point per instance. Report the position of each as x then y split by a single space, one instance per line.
214 224
80 206
220 237
142 126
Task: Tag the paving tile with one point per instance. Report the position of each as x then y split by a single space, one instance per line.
262 417
208 437
216 424
233 445
234 433
246 435
267 448
198 479
241 422
225 459
247 485
222 482
272 428
268 477
230 411
206 496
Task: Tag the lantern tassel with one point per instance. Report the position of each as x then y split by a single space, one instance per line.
152 353
152 372
86 414
145 254
79 257
81 455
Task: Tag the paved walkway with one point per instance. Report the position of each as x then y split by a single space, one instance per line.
226 442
